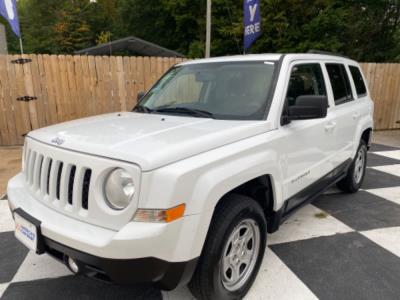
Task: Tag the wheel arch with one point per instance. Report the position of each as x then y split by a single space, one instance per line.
366 136
262 190
364 132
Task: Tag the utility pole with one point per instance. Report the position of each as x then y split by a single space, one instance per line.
208 33
3 40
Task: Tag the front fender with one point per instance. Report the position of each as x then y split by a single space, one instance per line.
201 181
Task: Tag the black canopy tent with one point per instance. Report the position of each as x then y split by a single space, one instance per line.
130 44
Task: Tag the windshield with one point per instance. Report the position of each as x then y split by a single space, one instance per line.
234 90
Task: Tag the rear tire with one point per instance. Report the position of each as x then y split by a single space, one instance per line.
356 173
233 250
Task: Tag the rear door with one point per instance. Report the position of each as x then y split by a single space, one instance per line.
345 111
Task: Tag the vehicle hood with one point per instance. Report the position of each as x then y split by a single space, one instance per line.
148 140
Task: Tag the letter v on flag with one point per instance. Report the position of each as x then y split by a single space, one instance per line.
252 22
8 9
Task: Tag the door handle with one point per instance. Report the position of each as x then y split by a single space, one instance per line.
330 126
356 116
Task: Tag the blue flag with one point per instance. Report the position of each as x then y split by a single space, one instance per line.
252 22
8 9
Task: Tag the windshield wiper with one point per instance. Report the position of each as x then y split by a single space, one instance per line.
142 108
186 111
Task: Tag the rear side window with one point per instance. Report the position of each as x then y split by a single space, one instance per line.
358 81
340 83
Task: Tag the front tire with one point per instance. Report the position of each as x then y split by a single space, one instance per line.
355 175
233 250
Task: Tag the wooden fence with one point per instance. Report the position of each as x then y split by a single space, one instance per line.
71 87
384 85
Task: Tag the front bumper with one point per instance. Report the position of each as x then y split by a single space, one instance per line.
165 275
149 252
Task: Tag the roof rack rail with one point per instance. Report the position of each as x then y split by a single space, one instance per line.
313 51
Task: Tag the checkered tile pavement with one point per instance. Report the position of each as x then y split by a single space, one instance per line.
340 247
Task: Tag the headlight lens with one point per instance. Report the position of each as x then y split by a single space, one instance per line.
119 189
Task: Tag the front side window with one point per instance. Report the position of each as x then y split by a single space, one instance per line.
340 83
231 90
358 81
305 80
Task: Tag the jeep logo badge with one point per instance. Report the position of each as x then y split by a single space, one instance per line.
57 141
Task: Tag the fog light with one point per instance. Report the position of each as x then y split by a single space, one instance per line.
72 265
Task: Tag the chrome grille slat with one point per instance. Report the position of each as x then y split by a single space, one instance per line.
37 170
77 189
54 179
32 167
64 180
43 176
27 164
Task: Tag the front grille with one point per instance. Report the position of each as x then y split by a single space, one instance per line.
52 177
71 183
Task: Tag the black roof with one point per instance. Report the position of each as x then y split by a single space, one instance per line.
130 43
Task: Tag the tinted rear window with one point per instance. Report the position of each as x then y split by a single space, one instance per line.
340 83
358 81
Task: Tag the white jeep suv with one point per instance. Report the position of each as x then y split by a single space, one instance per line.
184 188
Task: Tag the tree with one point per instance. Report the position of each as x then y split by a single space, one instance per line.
71 30
102 18
373 32
366 30
54 26
150 20
37 18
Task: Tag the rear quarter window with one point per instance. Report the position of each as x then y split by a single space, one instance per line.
358 81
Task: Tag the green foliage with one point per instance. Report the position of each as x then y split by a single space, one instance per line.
366 30
103 37
298 29
71 30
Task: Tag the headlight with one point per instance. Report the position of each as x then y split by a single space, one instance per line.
119 189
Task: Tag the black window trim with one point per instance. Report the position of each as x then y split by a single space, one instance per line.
363 95
344 101
293 64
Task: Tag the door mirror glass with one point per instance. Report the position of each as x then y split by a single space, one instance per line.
309 107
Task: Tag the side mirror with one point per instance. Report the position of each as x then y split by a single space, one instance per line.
140 95
309 107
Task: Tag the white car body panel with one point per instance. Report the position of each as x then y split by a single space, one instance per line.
150 141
